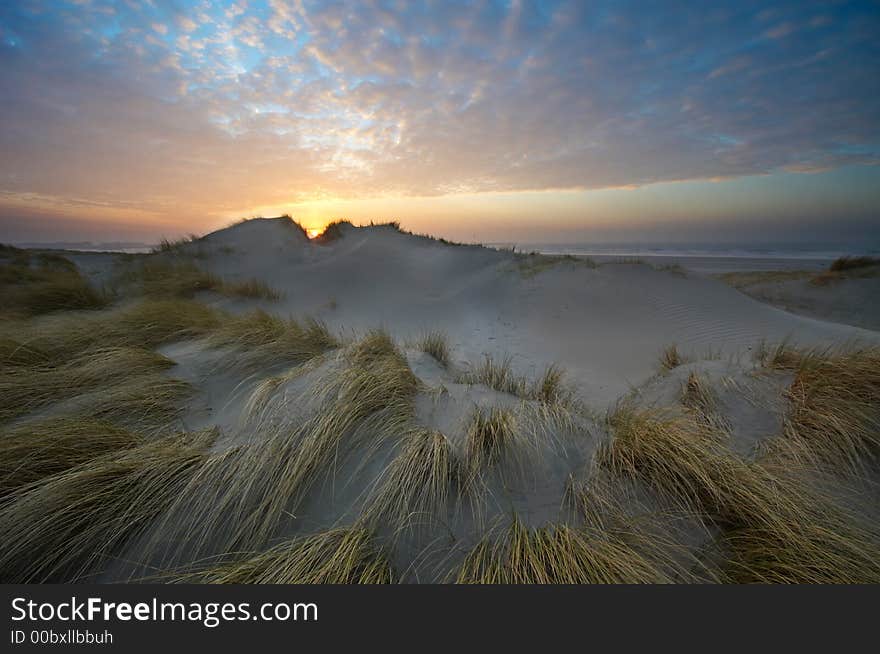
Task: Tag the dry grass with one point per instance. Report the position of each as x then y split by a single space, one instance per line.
164 277
775 526
834 402
174 245
337 556
561 554
498 376
436 344
251 288
416 487
240 497
34 284
534 263
491 434
36 450
262 338
851 263
24 389
670 358
67 527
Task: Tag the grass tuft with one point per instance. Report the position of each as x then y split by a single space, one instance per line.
416 486
670 358
67 527
436 344
36 450
337 556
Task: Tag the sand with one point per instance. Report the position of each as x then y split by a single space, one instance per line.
605 325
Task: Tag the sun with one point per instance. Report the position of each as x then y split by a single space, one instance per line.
314 232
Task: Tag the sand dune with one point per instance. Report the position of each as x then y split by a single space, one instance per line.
405 409
605 324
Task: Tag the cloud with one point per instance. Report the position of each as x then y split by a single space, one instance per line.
277 101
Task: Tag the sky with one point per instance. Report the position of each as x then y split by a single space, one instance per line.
488 121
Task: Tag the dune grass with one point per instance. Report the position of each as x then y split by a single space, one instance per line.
25 389
774 524
55 339
851 263
834 401
671 358
67 527
332 232
336 556
498 375
164 277
251 288
534 263
174 245
262 338
34 284
491 435
240 497
561 554
40 449
416 487
436 344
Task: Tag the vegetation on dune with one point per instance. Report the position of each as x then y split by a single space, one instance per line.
67 527
337 556
332 232
251 288
33 284
775 526
851 263
533 263
498 375
262 338
24 389
36 450
834 401
240 497
562 554
491 434
436 344
671 358
417 486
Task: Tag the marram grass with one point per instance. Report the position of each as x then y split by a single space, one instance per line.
36 450
337 556
416 488
775 525
68 527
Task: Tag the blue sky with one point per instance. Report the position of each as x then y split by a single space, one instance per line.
547 120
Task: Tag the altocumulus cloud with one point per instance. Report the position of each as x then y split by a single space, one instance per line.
221 106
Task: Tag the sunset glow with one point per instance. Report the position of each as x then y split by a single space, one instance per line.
489 121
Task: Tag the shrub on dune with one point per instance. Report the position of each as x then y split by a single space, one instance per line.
66 527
